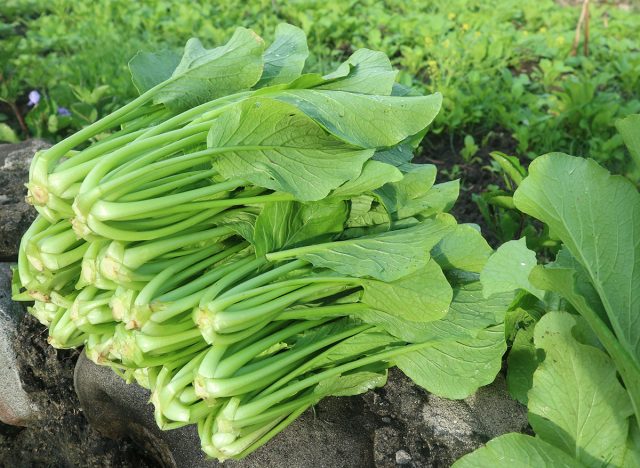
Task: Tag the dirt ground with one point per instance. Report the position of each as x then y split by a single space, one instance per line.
62 437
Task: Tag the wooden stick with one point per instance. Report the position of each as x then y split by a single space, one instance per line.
586 29
583 15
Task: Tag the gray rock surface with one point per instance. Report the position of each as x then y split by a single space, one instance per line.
398 425
15 214
420 429
16 408
335 435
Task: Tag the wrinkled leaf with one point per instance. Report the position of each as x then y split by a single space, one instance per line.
467 344
456 369
289 224
576 402
462 249
387 256
150 69
508 269
366 212
597 217
517 451
205 74
284 58
274 145
365 120
417 181
422 296
366 71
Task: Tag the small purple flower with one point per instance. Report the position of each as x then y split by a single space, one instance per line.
34 98
64 112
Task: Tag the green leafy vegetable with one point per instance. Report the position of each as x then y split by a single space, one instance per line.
243 240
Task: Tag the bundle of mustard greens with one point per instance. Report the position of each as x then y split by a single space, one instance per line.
244 239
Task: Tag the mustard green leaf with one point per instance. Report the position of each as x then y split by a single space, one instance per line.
576 402
284 59
423 296
629 128
462 249
597 217
275 146
366 71
517 451
150 69
387 256
290 224
205 74
365 120
508 269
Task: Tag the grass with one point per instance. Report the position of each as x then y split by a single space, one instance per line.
501 65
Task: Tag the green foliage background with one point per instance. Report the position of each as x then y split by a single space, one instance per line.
502 65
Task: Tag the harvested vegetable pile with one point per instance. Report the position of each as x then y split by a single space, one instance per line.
244 240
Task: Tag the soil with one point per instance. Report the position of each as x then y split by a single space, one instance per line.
62 437
475 174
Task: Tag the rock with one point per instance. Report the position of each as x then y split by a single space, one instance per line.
16 408
402 457
336 434
15 214
426 430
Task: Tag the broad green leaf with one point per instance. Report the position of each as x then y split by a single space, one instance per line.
508 269
350 384
7 134
366 71
462 249
394 324
402 90
274 145
579 293
374 175
387 256
242 222
576 401
469 312
289 224
456 368
632 453
510 165
525 310
517 451
439 199
365 120
284 58
205 74
466 345
579 283
521 364
362 344
417 181
149 69
597 217
422 296
399 155
365 211
629 128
